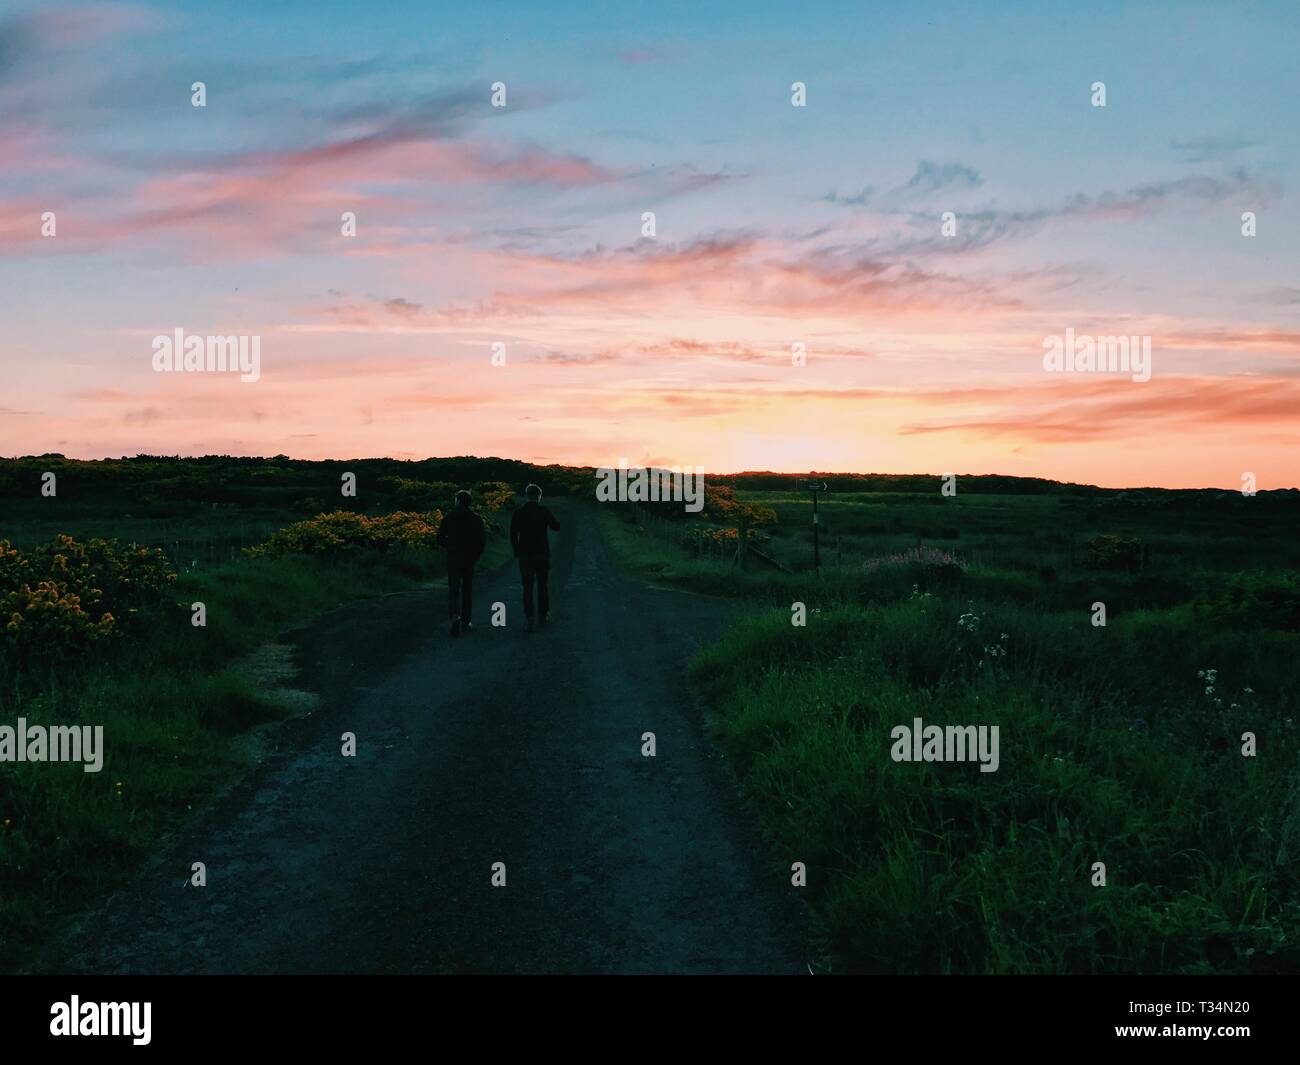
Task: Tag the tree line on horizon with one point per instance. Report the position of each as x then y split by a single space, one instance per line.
227 478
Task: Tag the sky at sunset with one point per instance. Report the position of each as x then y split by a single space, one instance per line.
775 225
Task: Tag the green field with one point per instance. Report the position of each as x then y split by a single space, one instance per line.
1118 745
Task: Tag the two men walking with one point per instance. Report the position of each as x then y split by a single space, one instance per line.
464 536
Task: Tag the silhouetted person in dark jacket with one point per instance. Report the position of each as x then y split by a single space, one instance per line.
531 546
463 535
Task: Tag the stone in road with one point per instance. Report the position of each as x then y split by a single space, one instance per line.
502 746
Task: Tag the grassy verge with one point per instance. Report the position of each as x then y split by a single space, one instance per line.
936 867
1116 746
173 704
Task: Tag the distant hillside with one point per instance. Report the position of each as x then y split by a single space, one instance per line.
238 479
231 479
984 484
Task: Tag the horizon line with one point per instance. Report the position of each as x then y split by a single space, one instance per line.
575 466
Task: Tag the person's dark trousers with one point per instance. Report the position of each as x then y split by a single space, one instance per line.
460 588
536 567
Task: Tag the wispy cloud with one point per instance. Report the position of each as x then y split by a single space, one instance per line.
1116 409
985 226
928 179
1210 149
934 177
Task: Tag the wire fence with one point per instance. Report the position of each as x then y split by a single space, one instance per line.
724 545
700 542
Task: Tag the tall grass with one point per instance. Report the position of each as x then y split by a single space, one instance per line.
936 867
1112 748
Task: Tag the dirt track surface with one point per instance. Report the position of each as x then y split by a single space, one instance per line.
503 746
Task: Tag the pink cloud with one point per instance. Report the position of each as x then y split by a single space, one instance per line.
1074 409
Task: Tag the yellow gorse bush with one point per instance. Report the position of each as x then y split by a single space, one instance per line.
344 532
492 495
66 594
488 496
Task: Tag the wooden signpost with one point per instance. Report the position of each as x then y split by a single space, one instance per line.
815 487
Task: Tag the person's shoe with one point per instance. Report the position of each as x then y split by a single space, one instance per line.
529 625
543 621
468 626
455 628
